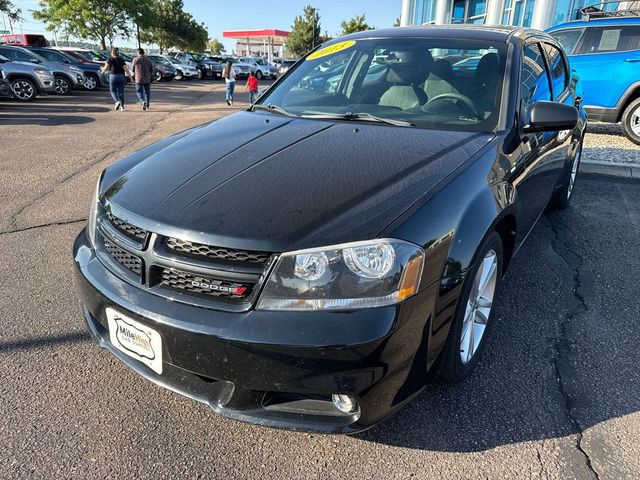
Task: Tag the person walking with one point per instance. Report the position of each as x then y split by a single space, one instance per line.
229 74
142 71
252 86
117 69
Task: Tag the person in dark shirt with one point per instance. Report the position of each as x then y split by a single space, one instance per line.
142 71
117 69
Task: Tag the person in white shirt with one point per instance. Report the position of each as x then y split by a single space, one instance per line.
229 74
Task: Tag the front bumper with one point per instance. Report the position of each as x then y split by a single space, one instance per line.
277 369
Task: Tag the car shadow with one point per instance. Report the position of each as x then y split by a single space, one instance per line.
44 119
535 380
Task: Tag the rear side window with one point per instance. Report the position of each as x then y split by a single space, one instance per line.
534 79
7 52
612 39
568 38
558 70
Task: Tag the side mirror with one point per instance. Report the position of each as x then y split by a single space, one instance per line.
544 116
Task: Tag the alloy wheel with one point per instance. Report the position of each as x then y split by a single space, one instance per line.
23 90
61 86
574 171
90 83
478 307
178 75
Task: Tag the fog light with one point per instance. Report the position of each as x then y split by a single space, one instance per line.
345 403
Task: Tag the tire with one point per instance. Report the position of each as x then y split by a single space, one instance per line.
62 85
562 196
178 75
458 358
631 121
200 74
259 75
23 90
91 82
157 77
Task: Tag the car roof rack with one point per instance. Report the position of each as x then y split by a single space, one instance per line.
599 10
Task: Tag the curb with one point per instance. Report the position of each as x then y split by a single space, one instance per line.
612 169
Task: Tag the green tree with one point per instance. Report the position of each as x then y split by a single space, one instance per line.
215 46
88 19
10 10
168 25
355 24
305 32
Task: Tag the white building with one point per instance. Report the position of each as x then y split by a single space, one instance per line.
539 14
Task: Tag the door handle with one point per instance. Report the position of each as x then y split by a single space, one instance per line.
632 60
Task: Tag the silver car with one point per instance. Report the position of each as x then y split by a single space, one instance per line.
260 67
184 71
27 80
67 77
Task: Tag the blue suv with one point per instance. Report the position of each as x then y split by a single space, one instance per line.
604 50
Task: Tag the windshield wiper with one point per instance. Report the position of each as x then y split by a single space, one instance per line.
363 116
271 108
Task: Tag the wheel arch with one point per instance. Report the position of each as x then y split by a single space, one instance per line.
628 96
24 76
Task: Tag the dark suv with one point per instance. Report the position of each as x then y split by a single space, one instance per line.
314 261
604 50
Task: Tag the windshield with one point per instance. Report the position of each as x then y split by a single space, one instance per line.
429 83
93 55
175 61
198 57
160 60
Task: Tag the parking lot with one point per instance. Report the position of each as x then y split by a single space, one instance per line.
556 395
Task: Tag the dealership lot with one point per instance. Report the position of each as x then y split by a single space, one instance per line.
557 394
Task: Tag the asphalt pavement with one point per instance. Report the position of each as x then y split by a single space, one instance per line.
556 395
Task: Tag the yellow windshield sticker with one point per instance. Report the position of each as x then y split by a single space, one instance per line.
331 49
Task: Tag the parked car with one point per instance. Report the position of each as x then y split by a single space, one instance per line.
93 77
27 80
605 52
218 64
260 67
285 65
67 77
314 261
85 55
24 40
163 69
200 61
183 71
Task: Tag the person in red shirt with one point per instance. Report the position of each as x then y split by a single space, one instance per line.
252 86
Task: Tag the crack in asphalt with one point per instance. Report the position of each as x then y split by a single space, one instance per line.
13 219
44 225
562 247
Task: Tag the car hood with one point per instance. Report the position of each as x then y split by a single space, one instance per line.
273 183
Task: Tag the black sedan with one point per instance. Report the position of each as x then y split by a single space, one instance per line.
313 262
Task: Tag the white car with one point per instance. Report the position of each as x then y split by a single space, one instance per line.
183 70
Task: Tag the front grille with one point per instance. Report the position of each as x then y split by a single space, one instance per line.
203 286
200 250
131 231
124 258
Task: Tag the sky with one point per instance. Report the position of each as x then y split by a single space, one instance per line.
219 15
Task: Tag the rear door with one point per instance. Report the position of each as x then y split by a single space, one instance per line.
608 62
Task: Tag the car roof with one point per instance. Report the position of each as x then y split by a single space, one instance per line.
496 33
597 22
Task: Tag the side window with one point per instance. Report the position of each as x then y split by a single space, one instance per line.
612 39
7 52
534 79
558 70
568 38
23 57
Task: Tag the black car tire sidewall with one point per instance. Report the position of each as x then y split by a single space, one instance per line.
200 74
453 370
259 75
33 89
626 121
178 75
560 200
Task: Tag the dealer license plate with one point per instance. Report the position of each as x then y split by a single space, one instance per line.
135 340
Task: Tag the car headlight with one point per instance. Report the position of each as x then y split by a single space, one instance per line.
42 71
74 68
93 215
366 274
